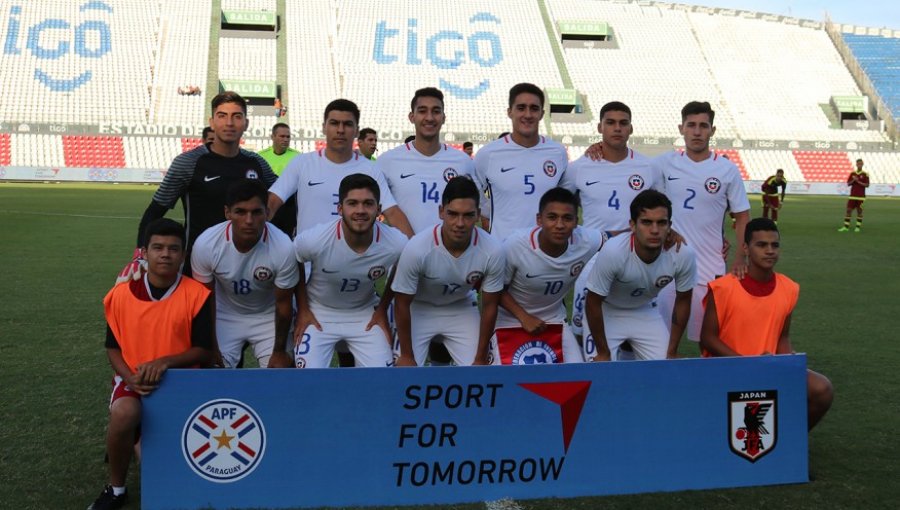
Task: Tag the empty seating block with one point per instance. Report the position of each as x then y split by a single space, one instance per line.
188 144
4 149
94 151
821 166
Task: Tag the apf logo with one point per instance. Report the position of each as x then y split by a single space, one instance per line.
223 440
752 423
446 50
90 39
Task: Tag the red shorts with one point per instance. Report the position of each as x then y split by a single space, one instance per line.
855 204
120 390
770 201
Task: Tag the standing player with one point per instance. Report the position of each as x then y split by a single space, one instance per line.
314 177
629 273
347 256
200 178
367 141
436 279
751 316
468 148
702 186
155 323
542 264
607 186
418 171
517 169
770 194
251 268
858 182
280 153
208 136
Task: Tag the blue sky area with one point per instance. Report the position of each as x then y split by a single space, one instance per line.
874 13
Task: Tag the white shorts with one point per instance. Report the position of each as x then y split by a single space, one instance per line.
579 322
235 331
370 348
643 328
572 352
458 332
666 304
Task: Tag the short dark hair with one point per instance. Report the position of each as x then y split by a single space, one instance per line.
779 171
364 132
859 160
759 225
229 96
280 125
409 138
649 199
525 88
615 106
698 107
426 92
358 181
559 195
207 130
460 187
342 105
163 227
245 189
468 144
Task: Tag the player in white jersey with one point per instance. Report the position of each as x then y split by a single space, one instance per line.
436 279
347 256
517 169
314 177
702 187
542 264
606 186
251 268
418 171
629 273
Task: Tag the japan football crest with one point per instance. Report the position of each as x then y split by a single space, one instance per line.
752 423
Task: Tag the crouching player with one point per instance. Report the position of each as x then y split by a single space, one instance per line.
436 279
161 321
339 301
752 316
251 268
542 264
629 272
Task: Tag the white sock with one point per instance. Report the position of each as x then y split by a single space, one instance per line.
118 491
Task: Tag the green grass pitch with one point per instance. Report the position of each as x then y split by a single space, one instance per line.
61 247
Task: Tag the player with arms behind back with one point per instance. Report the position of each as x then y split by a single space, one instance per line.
751 316
436 279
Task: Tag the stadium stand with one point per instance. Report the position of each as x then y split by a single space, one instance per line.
36 150
311 74
761 164
150 152
878 56
883 167
247 58
94 151
735 157
4 149
822 166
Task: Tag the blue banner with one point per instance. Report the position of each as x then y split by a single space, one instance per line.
392 436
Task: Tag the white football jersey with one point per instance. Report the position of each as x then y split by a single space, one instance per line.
628 282
539 282
606 189
700 194
427 270
341 285
516 177
315 180
245 282
417 181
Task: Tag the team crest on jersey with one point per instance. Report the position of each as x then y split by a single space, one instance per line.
376 272
549 168
474 277
576 268
534 352
223 440
663 280
251 174
636 182
450 173
712 185
300 361
262 274
752 423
